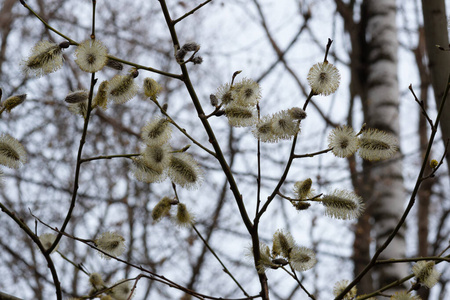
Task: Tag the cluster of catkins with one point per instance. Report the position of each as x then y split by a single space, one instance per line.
238 102
424 273
157 161
285 251
120 290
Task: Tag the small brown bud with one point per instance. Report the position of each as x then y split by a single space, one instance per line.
192 46
280 261
214 100
77 97
64 45
219 113
180 55
134 73
114 65
297 113
301 205
197 60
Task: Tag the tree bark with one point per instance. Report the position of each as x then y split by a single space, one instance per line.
436 33
385 195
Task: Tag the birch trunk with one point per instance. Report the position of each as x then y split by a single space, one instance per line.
385 190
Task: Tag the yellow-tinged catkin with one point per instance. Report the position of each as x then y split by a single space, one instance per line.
434 163
122 290
77 97
46 57
426 273
324 78
91 55
342 204
95 279
279 126
145 172
12 153
13 102
161 209
377 145
152 88
122 88
111 243
266 259
302 189
247 92
240 116
297 113
156 132
101 99
302 258
283 243
185 171
340 286
404 295
80 108
183 217
158 156
284 126
343 141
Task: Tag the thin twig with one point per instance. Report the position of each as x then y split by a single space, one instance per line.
422 107
294 275
190 12
72 42
225 269
108 157
183 131
312 154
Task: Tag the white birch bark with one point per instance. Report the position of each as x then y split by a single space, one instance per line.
387 196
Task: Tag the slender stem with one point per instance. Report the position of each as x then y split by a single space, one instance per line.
47 25
258 156
94 3
424 111
294 275
190 12
141 67
313 154
108 157
327 49
280 182
225 269
78 266
183 131
412 259
386 287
